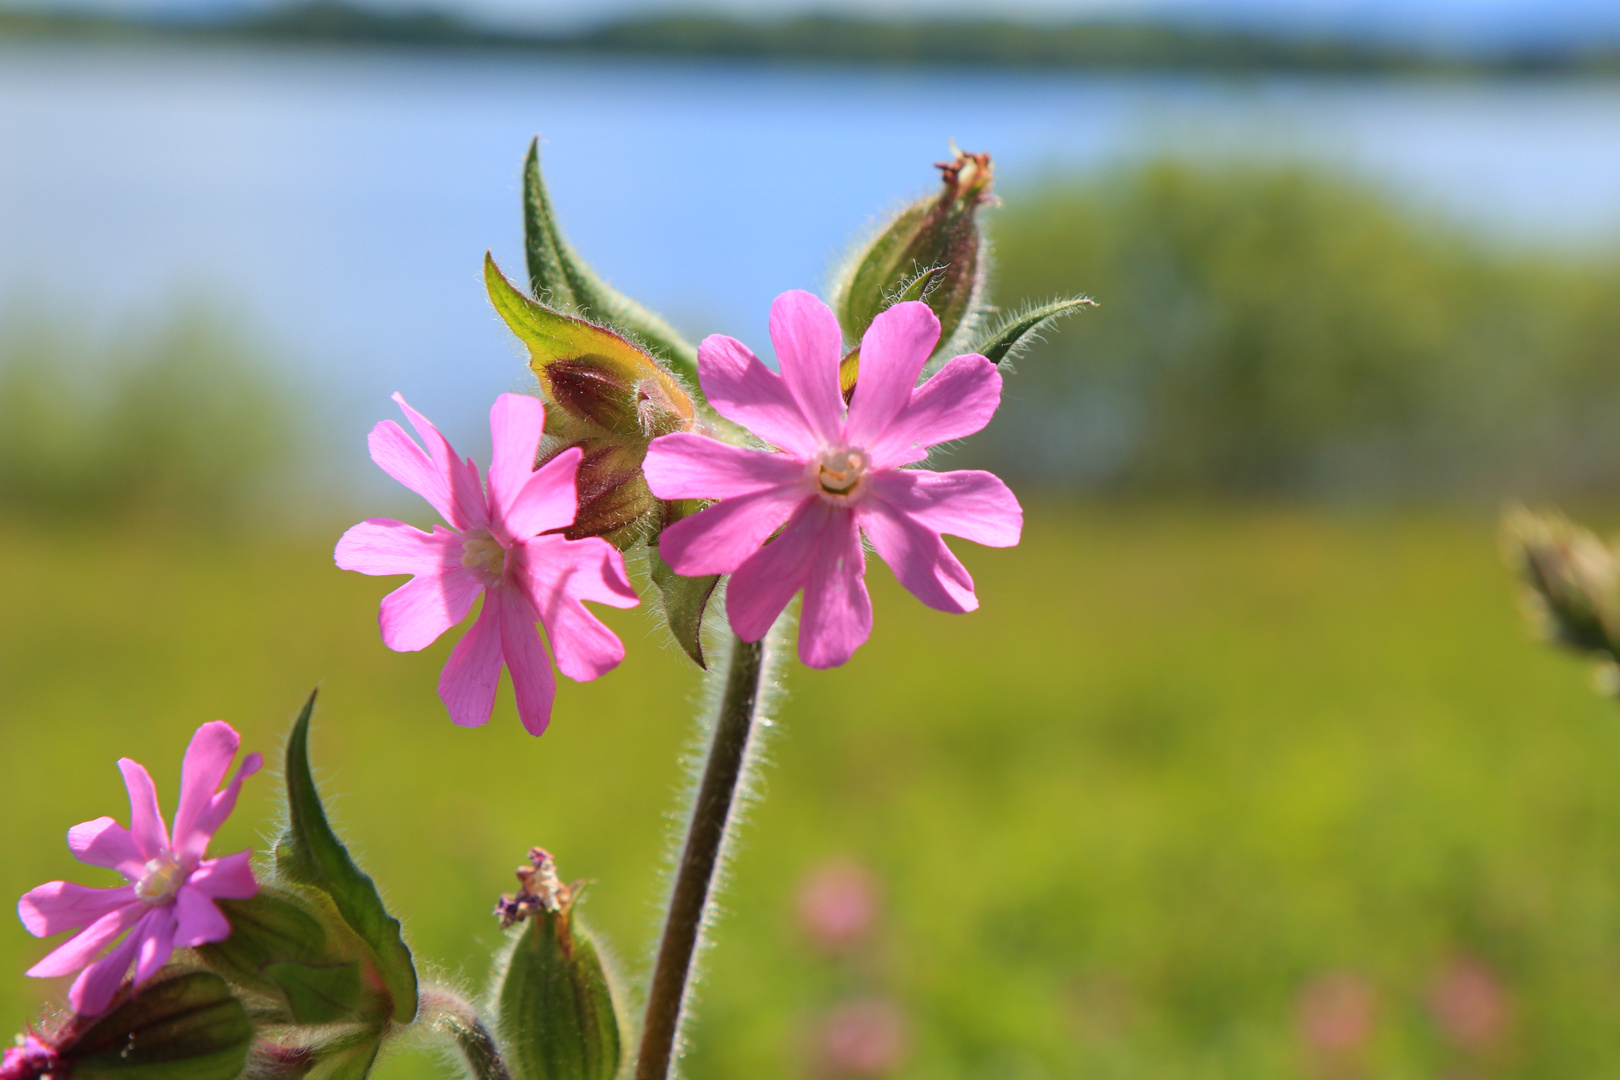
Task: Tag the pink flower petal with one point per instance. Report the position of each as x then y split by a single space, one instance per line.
762 586
156 937
548 499
197 920
956 402
414 615
467 684
893 352
919 558
809 346
516 422
448 484
837 615
746 392
525 657
229 877
98 983
686 466
557 574
719 539
62 905
145 820
81 948
969 503
208 756
191 845
104 842
382 546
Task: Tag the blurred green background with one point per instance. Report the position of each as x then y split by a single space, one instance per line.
1246 768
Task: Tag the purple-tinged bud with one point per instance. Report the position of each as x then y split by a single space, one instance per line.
933 251
31 1059
557 1014
604 395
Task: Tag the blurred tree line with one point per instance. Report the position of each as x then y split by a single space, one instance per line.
1276 331
180 421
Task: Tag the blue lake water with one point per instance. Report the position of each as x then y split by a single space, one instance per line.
341 201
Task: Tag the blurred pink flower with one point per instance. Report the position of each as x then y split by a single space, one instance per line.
1336 1014
837 904
836 475
1470 1005
503 544
169 900
862 1038
30 1059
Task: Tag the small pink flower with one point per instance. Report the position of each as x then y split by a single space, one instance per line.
836 475
504 545
169 898
838 904
31 1059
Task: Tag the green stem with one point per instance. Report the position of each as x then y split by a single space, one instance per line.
459 1020
699 859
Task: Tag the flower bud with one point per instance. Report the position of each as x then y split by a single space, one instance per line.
931 251
186 1026
1572 580
557 1016
604 395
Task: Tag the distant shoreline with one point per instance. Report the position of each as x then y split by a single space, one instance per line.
837 40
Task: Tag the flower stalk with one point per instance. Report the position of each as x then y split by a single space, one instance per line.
700 856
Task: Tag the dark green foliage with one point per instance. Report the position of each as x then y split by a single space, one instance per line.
182 421
1273 330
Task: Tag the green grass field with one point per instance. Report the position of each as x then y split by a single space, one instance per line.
1181 764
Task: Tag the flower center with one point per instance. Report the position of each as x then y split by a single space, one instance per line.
160 880
484 556
840 470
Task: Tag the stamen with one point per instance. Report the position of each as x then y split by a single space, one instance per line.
160 880
841 470
484 556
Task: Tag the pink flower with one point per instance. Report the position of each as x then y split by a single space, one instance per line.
169 898
503 544
835 475
30 1059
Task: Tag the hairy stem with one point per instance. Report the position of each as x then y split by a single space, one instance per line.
699 858
458 1019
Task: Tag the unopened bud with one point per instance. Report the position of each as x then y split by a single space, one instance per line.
1572 580
189 1026
557 1016
930 252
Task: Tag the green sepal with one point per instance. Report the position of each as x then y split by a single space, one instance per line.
280 947
188 1027
557 1015
559 276
309 853
685 599
870 285
1018 331
346 1062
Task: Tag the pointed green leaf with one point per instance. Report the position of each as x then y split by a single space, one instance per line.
557 274
1018 331
556 1009
189 1027
309 853
684 599
279 946
319 995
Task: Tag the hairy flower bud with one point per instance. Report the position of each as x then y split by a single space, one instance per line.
557 1016
932 251
1572 579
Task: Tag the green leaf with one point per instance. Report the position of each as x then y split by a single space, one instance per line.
309 853
684 599
558 275
346 1062
279 946
1018 331
556 1008
189 1027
